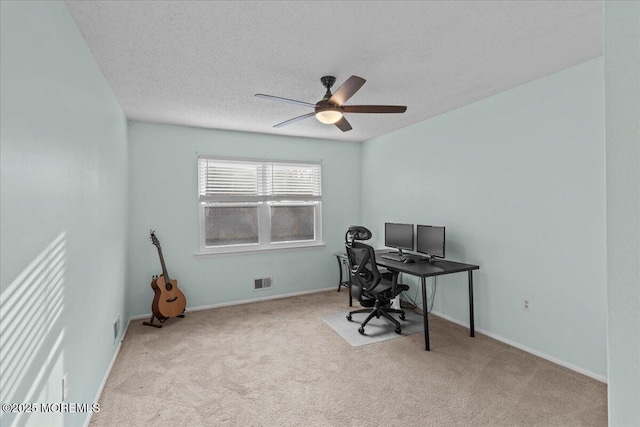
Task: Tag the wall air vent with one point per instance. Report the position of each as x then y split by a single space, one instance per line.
262 283
116 329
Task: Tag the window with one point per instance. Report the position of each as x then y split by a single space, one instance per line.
254 205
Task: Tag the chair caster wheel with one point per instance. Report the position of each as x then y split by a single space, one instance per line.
349 317
402 317
398 331
361 330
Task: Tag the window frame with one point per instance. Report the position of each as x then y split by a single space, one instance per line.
317 221
264 214
204 205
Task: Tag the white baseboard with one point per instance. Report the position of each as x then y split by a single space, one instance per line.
87 421
245 301
578 369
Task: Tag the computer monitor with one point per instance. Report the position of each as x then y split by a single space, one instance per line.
399 236
430 240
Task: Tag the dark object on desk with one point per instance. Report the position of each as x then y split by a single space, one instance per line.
367 284
430 241
399 236
408 261
393 257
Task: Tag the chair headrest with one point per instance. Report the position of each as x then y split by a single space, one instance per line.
357 232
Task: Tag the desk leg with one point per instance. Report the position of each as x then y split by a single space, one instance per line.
339 268
394 282
425 320
472 329
350 297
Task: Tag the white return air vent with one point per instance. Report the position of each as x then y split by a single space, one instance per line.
262 283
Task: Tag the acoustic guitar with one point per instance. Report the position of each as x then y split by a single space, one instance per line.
168 301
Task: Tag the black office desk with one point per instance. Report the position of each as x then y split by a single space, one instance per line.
424 270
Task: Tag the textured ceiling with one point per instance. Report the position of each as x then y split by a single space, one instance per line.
200 63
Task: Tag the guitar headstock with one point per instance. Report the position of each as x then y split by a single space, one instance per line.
154 239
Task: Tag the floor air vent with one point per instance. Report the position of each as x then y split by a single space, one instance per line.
263 283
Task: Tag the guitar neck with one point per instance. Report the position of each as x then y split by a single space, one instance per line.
164 267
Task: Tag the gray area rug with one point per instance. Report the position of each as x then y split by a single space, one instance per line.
376 330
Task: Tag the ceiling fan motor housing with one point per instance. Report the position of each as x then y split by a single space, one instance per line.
324 105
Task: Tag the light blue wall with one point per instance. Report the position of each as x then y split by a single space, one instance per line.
64 209
518 179
163 197
622 85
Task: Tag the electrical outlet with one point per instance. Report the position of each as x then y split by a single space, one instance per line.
526 304
65 387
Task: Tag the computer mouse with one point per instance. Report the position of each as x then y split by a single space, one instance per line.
408 261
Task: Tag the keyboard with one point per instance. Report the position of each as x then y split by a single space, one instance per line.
393 258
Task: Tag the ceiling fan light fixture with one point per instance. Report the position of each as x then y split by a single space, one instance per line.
330 109
328 117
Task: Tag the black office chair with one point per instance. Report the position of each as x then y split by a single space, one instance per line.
367 284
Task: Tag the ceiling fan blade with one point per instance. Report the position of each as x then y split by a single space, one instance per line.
295 119
347 90
374 108
343 124
290 101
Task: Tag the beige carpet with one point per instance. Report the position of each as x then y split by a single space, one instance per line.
276 363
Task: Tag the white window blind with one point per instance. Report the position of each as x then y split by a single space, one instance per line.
222 180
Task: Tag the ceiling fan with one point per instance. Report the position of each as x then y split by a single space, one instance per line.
330 109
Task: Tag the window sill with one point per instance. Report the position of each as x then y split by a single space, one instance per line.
254 250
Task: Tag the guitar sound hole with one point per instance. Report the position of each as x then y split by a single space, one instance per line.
169 286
